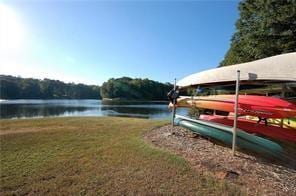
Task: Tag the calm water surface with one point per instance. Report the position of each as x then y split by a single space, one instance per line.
47 108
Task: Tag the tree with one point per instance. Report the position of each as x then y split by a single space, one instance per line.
265 28
29 88
9 88
128 88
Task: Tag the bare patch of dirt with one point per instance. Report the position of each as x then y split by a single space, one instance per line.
252 173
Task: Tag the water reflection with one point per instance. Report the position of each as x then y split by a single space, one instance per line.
46 108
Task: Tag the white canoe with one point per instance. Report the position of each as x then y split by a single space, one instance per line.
276 68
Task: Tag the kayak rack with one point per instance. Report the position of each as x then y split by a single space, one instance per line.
234 128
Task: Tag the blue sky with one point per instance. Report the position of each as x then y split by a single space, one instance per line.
92 41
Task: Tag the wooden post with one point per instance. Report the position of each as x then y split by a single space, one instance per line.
174 109
235 112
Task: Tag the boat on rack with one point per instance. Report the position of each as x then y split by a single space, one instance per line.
253 105
252 127
223 134
275 69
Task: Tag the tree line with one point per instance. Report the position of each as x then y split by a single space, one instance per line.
264 29
128 88
122 88
29 88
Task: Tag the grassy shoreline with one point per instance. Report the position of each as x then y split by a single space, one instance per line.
91 155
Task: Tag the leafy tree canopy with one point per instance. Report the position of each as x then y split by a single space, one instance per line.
29 88
128 88
124 88
265 28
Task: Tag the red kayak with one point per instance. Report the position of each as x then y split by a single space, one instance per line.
284 134
252 105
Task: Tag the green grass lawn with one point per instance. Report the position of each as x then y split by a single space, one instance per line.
94 156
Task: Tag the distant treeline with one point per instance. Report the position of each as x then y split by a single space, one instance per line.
29 88
141 89
121 88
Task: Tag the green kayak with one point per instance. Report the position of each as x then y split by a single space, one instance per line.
224 134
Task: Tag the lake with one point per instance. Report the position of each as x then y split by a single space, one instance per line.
61 108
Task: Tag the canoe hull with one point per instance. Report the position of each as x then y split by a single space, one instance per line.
224 134
275 132
261 106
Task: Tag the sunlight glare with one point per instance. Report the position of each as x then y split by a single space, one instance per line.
11 31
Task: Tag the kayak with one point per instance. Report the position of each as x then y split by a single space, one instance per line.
224 134
252 105
275 132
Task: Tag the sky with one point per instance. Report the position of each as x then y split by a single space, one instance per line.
92 41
